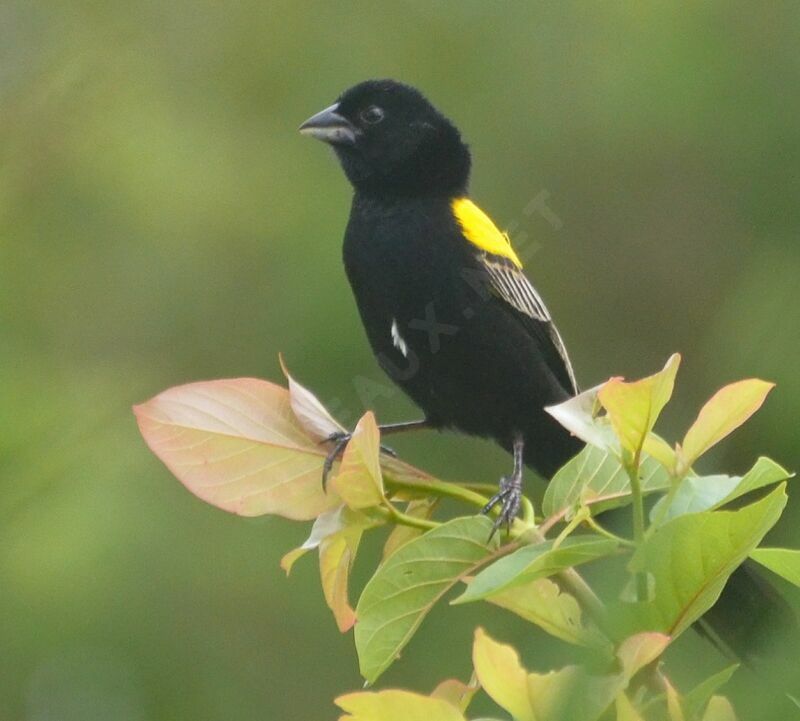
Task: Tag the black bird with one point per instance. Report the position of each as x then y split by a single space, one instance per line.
453 320
448 312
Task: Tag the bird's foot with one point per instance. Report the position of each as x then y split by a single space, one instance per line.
340 439
510 498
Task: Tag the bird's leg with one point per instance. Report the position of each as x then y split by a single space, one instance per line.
510 493
341 438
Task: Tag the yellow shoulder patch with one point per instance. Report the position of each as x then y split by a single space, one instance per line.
479 230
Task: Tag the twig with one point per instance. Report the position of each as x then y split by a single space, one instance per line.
597 528
632 467
390 512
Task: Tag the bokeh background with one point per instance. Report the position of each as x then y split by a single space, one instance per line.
162 221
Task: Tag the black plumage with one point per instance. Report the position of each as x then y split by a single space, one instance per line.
463 353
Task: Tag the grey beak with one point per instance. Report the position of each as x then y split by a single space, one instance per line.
330 127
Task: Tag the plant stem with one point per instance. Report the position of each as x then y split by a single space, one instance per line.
597 528
437 488
587 597
675 482
528 514
582 590
461 492
632 468
580 517
390 512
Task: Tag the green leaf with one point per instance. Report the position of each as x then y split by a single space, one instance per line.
536 561
395 705
641 650
719 709
597 478
325 525
237 445
308 410
764 473
626 711
581 416
456 692
783 561
400 535
572 693
634 407
658 448
727 409
584 417
359 481
691 557
410 582
337 535
543 603
564 695
502 676
674 702
705 493
567 694
696 699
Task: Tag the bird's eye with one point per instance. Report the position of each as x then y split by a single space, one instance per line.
373 114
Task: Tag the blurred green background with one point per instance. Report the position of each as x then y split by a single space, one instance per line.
162 221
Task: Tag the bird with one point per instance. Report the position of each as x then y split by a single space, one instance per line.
454 321
448 310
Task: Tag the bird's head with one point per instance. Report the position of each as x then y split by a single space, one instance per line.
392 142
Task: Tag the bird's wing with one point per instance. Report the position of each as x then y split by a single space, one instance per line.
503 268
508 282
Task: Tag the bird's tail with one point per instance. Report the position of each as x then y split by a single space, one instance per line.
753 624
749 616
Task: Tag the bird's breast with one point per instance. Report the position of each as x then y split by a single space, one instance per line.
398 251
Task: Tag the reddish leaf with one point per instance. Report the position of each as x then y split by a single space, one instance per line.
456 692
237 445
313 416
336 556
640 650
727 409
359 481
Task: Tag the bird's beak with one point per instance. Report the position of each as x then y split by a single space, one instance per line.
330 127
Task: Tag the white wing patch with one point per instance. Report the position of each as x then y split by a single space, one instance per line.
562 351
516 289
513 287
398 340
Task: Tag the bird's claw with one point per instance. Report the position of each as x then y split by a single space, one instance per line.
510 498
340 439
